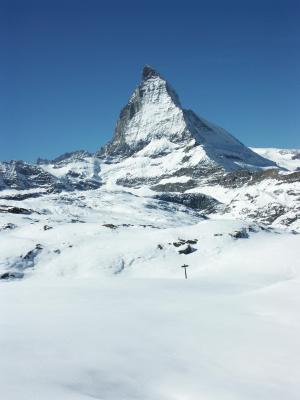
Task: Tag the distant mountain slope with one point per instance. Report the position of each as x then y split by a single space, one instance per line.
71 171
285 158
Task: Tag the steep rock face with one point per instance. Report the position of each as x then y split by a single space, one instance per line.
152 113
153 124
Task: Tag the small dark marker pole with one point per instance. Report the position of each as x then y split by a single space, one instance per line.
185 267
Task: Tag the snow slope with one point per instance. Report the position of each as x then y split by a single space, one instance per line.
285 158
231 331
270 202
104 311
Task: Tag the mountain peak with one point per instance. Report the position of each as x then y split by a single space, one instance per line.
154 122
149 72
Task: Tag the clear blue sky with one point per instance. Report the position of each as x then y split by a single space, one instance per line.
68 66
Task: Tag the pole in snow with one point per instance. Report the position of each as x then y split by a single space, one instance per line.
185 267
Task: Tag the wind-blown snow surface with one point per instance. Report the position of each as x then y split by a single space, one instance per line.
104 312
150 339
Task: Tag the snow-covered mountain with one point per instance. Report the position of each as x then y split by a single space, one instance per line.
160 147
156 141
154 124
155 138
169 190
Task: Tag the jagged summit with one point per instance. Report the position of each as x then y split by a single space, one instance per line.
152 112
149 72
154 121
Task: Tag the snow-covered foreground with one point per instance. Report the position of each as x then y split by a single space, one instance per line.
104 311
150 339
103 234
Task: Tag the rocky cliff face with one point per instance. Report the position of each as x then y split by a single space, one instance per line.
21 175
152 113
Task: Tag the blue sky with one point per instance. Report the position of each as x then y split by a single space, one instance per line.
68 66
